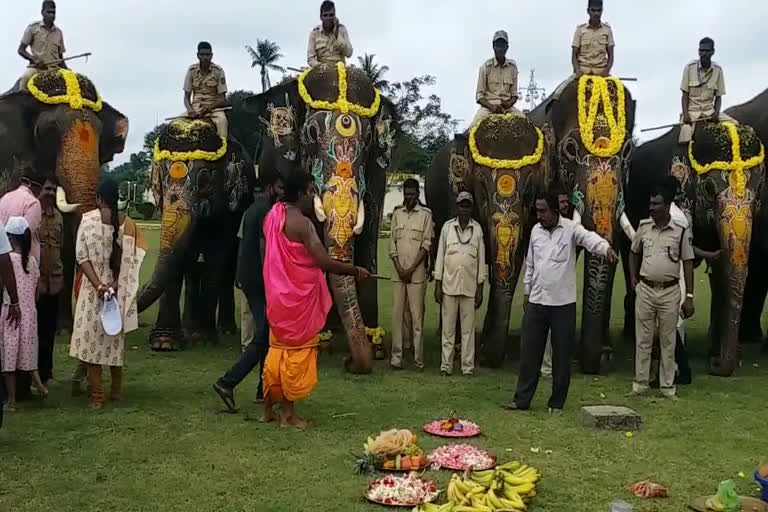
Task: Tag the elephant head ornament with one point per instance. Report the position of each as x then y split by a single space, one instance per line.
334 124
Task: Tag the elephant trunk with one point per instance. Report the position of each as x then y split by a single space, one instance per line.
596 310
345 296
731 276
78 166
175 236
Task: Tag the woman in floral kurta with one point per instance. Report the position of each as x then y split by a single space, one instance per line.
94 248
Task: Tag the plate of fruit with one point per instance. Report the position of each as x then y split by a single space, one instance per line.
460 457
393 450
452 427
401 491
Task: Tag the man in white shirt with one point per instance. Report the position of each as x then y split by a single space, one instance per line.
460 272
550 300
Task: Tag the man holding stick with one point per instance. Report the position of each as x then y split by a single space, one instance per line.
205 90
42 45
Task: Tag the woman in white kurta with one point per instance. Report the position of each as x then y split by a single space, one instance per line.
109 253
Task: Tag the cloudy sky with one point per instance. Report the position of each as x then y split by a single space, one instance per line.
142 48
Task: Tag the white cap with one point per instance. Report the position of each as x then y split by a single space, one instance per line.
16 226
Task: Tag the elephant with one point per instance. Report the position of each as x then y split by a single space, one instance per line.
593 166
332 123
60 127
504 162
726 207
199 180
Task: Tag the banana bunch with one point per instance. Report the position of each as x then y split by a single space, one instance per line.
431 507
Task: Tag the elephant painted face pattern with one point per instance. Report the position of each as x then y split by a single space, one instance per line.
505 232
336 158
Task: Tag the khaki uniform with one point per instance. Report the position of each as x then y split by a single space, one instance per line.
703 88
593 44
246 316
495 84
411 232
461 267
658 298
45 44
205 88
328 48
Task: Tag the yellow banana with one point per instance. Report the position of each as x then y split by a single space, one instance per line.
505 503
493 500
522 468
522 489
510 466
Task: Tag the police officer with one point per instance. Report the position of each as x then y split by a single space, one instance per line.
205 90
659 246
703 88
496 91
328 42
42 45
409 246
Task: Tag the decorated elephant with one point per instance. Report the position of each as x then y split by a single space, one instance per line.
198 180
60 126
334 124
503 162
722 175
591 126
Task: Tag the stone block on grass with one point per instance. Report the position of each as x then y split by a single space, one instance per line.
609 417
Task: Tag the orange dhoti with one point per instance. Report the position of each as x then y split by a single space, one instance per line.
290 372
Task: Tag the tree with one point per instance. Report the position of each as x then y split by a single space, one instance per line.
424 127
265 56
374 72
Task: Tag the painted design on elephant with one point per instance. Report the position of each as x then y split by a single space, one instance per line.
506 226
78 154
175 220
317 172
282 121
602 191
599 279
736 219
577 199
385 135
606 111
458 172
340 198
236 184
350 308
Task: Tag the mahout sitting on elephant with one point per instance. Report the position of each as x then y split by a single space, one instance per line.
199 179
334 124
503 162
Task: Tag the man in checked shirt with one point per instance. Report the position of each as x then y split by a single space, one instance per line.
550 300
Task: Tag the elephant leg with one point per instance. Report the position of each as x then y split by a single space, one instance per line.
193 320
167 334
750 330
493 345
715 316
596 312
226 310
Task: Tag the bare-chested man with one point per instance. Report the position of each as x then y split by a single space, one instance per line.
298 299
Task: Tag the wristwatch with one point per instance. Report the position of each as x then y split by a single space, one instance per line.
689 295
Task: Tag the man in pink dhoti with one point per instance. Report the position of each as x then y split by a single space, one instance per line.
298 299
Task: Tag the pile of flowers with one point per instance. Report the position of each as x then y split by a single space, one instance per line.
460 457
505 120
452 427
600 102
341 104
62 86
409 490
185 140
740 141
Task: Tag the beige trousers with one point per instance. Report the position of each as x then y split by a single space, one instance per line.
585 71
686 130
656 308
546 365
246 320
218 118
483 112
464 308
412 297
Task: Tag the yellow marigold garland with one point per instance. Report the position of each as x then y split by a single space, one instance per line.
498 163
737 164
325 336
341 103
185 156
74 96
588 114
376 334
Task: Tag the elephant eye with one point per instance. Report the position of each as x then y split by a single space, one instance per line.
345 125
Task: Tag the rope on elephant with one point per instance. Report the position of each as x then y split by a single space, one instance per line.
602 118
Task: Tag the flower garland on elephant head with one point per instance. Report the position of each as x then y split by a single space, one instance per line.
617 121
341 104
188 132
498 163
737 165
74 94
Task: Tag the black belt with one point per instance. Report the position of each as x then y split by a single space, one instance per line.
659 285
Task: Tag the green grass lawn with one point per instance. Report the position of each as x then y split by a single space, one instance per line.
169 447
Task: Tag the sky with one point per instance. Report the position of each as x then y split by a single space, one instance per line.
142 48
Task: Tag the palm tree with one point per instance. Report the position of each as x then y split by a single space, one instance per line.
374 72
265 56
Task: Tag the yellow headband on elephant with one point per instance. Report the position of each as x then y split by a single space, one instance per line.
737 164
74 96
189 129
498 163
588 114
341 103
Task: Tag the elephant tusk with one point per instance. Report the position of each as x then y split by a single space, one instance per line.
627 227
61 202
319 210
360 218
576 216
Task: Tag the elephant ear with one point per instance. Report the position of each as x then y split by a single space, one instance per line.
114 133
460 166
240 177
549 170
